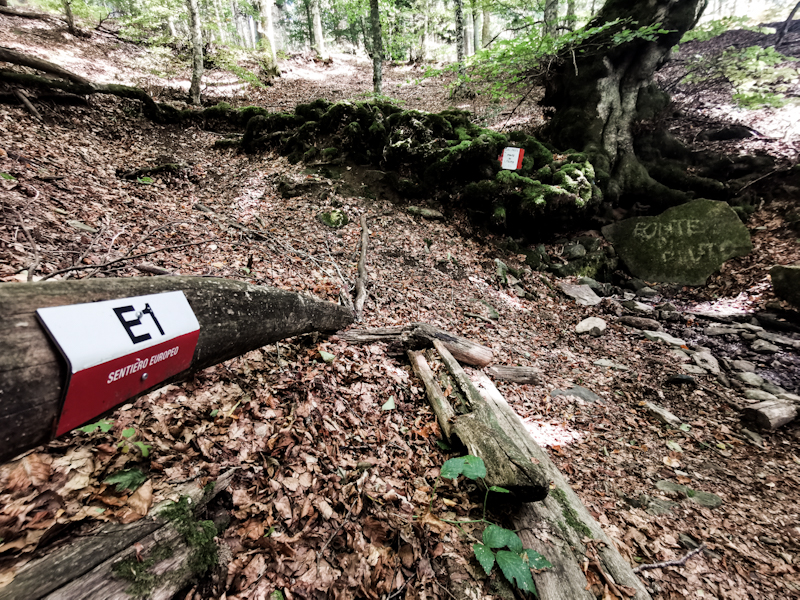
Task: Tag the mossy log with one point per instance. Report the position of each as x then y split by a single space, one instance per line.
560 526
422 335
106 564
234 318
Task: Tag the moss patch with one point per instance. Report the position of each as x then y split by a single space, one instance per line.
570 516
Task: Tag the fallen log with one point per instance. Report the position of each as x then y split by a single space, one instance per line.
770 414
515 374
421 335
560 527
234 318
92 566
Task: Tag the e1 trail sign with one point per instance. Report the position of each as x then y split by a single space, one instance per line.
117 349
511 158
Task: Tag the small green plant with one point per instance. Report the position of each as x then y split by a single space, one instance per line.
8 177
711 29
144 180
127 435
128 479
500 545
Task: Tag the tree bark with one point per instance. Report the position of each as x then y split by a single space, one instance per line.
25 60
197 51
476 30
515 374
596 88
570 20
234 318
486 29
377 48
460 37
550 17
70 17
83 569
266 28
770 414
319 36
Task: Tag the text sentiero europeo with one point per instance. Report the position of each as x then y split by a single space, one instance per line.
140 364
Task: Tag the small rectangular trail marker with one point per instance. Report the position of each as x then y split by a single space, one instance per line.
116 349
511 158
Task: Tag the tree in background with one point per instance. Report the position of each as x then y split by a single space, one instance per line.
377 47
317 34
197 50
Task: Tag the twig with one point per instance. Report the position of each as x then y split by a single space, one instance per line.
27 103
402 587
36 258
671 563
344 521
117 260
747 185
525 97
363 276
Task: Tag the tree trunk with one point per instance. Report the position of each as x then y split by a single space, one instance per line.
476 30
197 51
596 88
70 17
171 26
377 48
570 20
486 30
221 37
460 36
266 28
234 318
550 17
319 37
787 25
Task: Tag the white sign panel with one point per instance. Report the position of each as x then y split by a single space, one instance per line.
512 158
119 348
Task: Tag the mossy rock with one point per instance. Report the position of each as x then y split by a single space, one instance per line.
335 218
329 153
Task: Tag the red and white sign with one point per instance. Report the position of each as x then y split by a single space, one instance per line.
511 158
116 349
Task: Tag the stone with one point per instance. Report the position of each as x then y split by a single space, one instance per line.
706 499
668 306
789 397
578 392
759 395
594 326
744 365
751 379
81 226
694 369
610 364
662 414
334 219
778 339
724 330
637 306
583 294
684 245
426 213
679 354
647 292
770 387
707 361
680 379
640 323
574 251
764 347
786 283
660 336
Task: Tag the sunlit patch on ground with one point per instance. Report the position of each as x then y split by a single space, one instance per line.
743 303
551 434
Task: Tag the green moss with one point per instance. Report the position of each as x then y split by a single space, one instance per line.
499 215
353 130
198 535
218 111
311 154
570 516
142 581
576 179
335 218
248 112
307 129
329 153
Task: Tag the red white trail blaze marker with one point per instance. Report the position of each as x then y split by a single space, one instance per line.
511 158
117 349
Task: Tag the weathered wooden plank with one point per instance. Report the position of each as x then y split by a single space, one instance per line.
515 374
557 526
441 407
234 318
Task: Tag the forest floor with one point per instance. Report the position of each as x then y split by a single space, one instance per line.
334 489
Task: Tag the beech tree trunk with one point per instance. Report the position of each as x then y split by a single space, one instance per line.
234 318
197 51
486 28
595 91
377 47
319 38
550 17
476 30
787 25
460 36
266 28
70 17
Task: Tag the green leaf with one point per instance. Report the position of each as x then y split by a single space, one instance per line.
443 445
515 570
143 448
327 356
497 488
389 404
129 432
7 176
146 180
495 536
129 479
471 467
215 412
685 427
484 556
674 446
536 560
104 425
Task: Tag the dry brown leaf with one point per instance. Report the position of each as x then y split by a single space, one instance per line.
142 499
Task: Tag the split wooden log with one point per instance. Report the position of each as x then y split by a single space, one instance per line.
561 526
88 567
515 374
770 414
421 335
234 318
441 407
363 275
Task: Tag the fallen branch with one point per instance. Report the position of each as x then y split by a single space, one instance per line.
36 258
25 60
671 563
27 104
515 374
171 167
363 276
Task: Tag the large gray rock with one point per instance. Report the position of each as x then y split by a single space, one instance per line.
786 283
684 244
